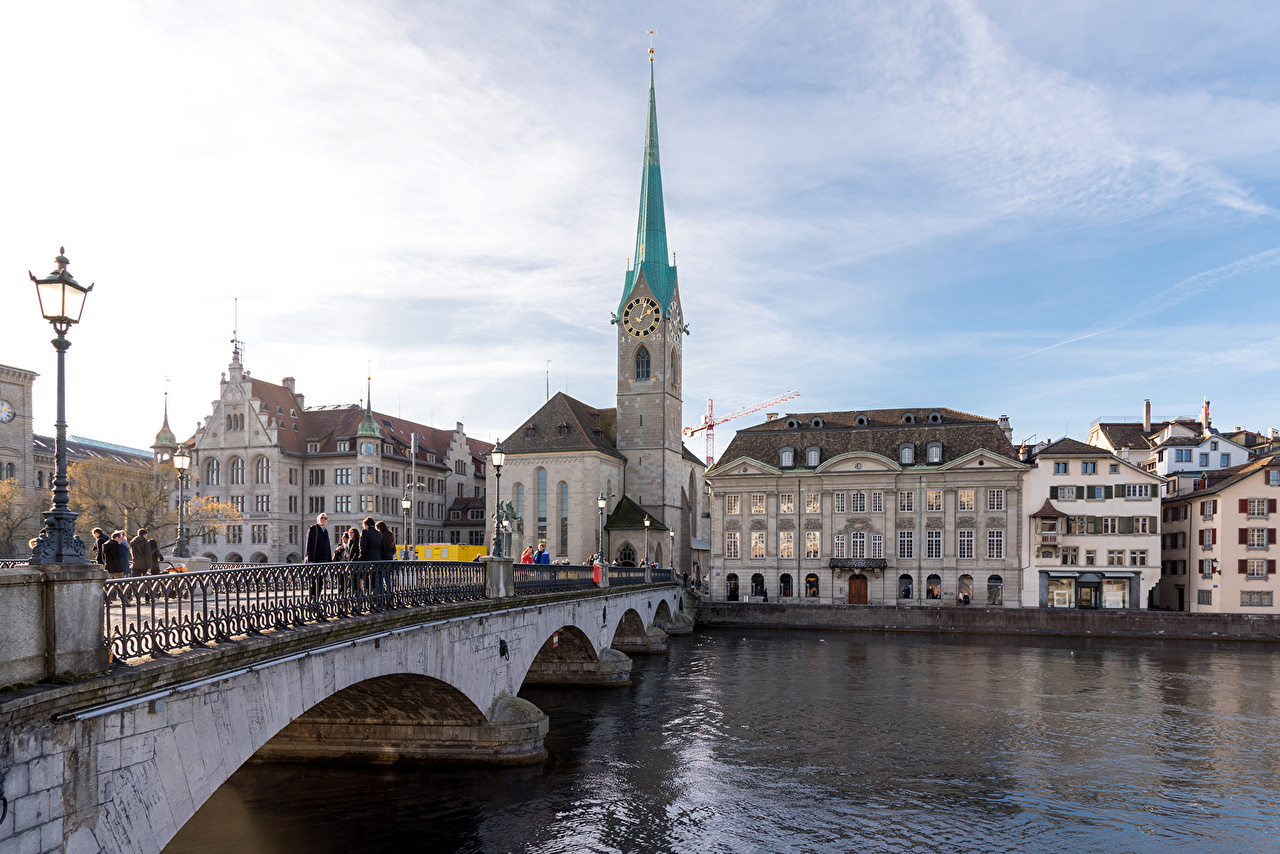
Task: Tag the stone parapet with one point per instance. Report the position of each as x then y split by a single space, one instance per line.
51 621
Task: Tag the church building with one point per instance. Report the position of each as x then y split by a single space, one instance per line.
569 454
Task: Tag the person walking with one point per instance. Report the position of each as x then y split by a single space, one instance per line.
318 551
116 564
140 552
156 557
100 539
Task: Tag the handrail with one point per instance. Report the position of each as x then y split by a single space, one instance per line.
535 578
625 575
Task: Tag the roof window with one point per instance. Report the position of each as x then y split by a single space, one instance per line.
908 418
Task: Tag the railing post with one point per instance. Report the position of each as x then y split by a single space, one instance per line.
499 578
648 574
51 621
604 573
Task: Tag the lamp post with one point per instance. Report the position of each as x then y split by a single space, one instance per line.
671 534
600 503
406 504
181 462
497 457
646 539
61 302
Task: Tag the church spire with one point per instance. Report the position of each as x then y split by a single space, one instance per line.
651 256
368 426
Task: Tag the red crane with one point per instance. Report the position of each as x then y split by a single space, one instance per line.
709 421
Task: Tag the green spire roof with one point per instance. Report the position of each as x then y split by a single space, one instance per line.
165 438
369 427
651 256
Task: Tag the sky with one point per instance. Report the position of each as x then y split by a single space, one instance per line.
1052 211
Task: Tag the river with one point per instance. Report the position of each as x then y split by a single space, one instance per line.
764 741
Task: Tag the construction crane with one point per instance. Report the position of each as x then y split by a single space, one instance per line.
709 421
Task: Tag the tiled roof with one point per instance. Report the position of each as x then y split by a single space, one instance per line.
564 423
1220 480
464 506
1071 448
959 432
1124 434
1047 509
79 450
1179 440
629 516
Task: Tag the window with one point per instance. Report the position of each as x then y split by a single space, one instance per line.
344 447
1062 468
1110 524
1204 461
858 545
1256 568
813 502
906 502
933 500
964 499
315 477
811 544
732 505
995 545
812 458
564 519
1089 467
1115 557
212 473
933 587
906 585
933 545
786 544
757 544
906 544
1064 493
258 534
934 453
1213 446
1114 468
1256 507
315 504
235 534
731 545
642 363
1077 524
1255 598
1256 538
367 474
366 504
906 454
1273 477
1138 557
839 499
1137 490
342 504
784 586
811 586
964 545
237 501
786 502
342 477
838 546
1204 597
237 471
1182 455
757 502
1070 556
542 505
995 590
1090 557
1224 461
877 502
313 447
995 499
262 503
788 458
858 502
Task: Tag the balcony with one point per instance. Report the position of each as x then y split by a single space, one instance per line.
1049 540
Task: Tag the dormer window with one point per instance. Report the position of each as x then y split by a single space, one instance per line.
595 416
934 452
908 418
906 453
787 458
792 424
860 421
529 431
935 417
812 457
817 422
562 428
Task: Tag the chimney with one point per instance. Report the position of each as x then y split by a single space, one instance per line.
287 382
771 416
1146 415
1007 428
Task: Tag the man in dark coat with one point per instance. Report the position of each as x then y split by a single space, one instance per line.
371 544
318 551
140 551
100 540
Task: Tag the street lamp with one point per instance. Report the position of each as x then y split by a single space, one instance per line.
646 539
601 502
61 302
497 457
406 504
672 535
181 462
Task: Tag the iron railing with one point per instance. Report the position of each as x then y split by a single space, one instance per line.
621 576
537 578
157 613
659 575
12 563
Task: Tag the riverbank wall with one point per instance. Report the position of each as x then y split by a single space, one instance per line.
993 621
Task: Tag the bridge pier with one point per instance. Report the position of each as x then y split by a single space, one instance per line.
652 641
612 670
401 720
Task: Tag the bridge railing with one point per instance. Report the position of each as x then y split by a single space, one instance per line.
621 576
537 578
157 613
13 563
659 575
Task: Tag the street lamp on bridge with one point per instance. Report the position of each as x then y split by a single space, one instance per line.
61 302
646 539
601 502
671 533
406 504
181 462
497 457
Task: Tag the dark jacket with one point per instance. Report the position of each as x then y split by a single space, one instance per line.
111 556
156 557
318 549
388 545
371 543
141 551
99 549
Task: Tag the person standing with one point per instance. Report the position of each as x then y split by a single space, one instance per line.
527 557
115 562
542 555
100 539
318 551
156 557
140 550
370 551
387 570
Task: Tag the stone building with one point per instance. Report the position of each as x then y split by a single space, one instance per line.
17 458
569 453
1093 525
886 506
281 463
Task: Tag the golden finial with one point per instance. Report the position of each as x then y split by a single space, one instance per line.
652 33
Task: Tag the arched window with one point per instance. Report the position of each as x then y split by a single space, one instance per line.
8 471
731 587
258 558
233 558
642 363
542 506
934 454
757 584
811 585
40 480
906 453
212 473
657 555
564 519
964 595
995 590
262 470
906 587
237 471
675 368
627 555
933 587
812 456
520 500
788 458
784 586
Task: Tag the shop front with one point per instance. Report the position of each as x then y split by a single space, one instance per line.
1092 591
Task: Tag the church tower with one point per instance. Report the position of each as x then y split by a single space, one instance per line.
650 337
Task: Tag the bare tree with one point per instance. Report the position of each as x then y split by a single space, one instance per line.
19 515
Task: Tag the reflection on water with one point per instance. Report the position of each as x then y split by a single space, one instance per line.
801 741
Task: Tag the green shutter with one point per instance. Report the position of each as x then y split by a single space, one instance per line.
1053 493
1091 524
1080 493
1109 492
1126 524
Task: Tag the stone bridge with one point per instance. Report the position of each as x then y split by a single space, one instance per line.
120 761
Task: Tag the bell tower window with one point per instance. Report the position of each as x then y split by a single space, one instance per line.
642 363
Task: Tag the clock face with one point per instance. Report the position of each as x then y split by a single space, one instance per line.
640 316
674 326
7 412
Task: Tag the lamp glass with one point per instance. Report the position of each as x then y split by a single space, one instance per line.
497 456
61 302
646 521
405 504
181 459
600 502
